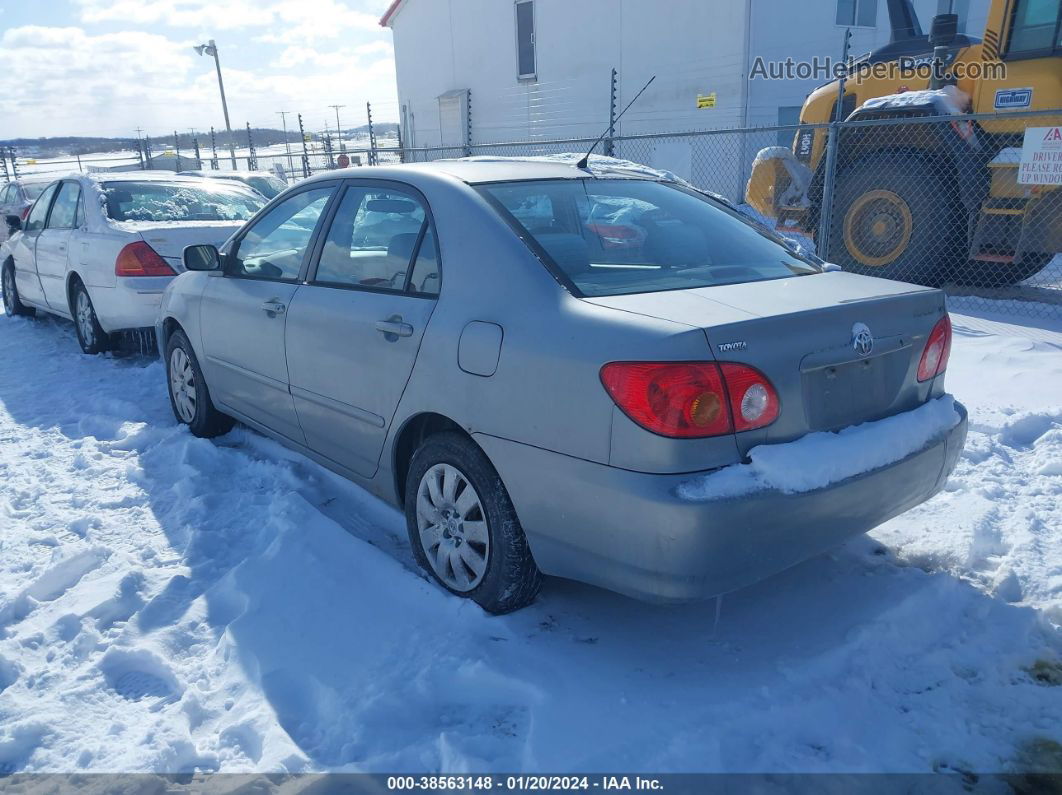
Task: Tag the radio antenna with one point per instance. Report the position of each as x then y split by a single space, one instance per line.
586 158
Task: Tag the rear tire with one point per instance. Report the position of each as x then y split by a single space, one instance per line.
999 274
189 395
12 304
90 334
895 220
459 514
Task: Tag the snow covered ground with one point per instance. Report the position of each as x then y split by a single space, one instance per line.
169 603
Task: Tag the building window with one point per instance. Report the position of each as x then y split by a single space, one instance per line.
525 39
788 114
857 13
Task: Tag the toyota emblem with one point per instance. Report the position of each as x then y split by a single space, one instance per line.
862 339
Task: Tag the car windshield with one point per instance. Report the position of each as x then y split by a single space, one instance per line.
165 201
34 189
615 236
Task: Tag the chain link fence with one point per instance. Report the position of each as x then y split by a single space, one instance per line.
943 201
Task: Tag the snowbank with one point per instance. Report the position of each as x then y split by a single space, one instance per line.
821 459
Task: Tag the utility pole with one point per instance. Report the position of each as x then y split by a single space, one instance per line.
339 130
211 48
287 144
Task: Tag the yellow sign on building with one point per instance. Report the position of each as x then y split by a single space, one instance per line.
706 100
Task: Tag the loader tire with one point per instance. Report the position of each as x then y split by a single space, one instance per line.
896 216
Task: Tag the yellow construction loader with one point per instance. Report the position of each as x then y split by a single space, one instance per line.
930 202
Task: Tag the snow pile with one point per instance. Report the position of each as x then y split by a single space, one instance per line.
948 100
174 604
821 459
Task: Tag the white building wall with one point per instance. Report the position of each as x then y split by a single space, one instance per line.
693 47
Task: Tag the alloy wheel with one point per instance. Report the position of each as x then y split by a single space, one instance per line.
85 319
182 385
452 527
9 291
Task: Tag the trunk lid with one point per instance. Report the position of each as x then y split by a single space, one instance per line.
169 239
800 332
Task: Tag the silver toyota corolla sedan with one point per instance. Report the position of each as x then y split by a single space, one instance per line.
536 361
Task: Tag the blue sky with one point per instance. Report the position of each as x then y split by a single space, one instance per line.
105 67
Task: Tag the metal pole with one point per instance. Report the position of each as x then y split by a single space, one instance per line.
198 155
213 151
610 147
305 155
14 162
224 104
339 130
147 151
287 144
177 149
822 243
328 147
79 168
252 156
372 135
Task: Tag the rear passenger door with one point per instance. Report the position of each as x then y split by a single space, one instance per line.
354 330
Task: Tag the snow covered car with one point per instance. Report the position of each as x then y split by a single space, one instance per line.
670 418
16 198
100 249
266 183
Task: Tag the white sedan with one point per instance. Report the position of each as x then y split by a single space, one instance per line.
100 249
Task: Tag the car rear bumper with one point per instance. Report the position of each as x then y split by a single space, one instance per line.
132 303
630 532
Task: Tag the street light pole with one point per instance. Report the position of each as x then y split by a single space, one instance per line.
211 48
339 130
287 144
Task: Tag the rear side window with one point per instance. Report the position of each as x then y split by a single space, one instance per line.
7 195
372 240
161 201
37 216
64 211
615 236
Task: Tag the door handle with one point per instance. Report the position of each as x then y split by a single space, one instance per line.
273 307
393 328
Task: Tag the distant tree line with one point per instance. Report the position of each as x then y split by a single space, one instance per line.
54 146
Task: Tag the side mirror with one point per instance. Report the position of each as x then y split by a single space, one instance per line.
202 258
943 30
14 223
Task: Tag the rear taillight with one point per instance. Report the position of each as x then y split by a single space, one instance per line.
753 401
938 348
25 212
691 399
140 259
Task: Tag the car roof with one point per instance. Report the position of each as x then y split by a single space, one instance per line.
478 170
225 174
141 176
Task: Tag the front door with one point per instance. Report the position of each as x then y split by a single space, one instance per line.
355 329
53 246
245 309
24 248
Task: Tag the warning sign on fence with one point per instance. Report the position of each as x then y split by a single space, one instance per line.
1041 157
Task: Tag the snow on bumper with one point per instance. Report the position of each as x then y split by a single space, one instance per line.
821 459
634 533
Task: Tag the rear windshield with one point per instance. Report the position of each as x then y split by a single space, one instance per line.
34 189
267 186
163 201
615 236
